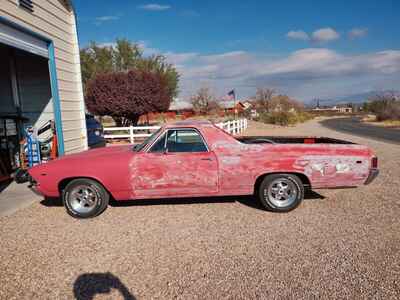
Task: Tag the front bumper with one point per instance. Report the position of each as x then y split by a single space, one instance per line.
373 173
34 187
35 190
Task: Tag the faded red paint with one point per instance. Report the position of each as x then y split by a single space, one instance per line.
229 168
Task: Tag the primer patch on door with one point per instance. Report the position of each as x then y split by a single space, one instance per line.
342 168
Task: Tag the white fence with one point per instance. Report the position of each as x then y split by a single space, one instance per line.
233 127
139 132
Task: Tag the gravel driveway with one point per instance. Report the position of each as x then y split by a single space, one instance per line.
337 244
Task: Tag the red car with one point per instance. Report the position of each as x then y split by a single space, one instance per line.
197 159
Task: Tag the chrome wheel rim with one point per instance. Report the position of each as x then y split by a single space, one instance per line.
83 199
282 192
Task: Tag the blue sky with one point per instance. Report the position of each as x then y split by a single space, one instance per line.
306 49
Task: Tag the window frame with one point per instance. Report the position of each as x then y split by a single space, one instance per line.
165 133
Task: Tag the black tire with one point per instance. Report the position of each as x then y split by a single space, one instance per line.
270 183
21 176
83 209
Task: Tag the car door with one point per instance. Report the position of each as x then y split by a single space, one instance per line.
179 163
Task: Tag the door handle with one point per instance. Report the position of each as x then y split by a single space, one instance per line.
209 159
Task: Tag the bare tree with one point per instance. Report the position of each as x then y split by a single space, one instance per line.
263 98
204 102
284 103
386 106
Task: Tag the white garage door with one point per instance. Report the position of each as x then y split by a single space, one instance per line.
18 39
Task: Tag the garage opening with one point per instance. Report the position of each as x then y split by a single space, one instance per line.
26 105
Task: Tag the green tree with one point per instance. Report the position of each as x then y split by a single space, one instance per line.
124 56
121 57
158 64
95 60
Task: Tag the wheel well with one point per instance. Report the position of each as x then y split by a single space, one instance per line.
304 179
63 183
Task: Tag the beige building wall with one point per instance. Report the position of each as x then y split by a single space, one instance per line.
55 20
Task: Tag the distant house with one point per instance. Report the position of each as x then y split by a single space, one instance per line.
345 109
231 107
250 106
178 108
181 108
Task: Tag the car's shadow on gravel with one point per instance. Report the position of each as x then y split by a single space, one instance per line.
250 201
49 202
88 285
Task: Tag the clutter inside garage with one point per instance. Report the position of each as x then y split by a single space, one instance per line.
27 131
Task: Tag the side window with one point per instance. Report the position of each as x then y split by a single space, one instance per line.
185 140
159 145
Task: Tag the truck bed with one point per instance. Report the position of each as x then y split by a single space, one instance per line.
290 140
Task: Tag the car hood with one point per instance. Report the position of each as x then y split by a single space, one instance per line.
81 163
96 153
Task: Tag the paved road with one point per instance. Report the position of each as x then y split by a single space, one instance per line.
354 126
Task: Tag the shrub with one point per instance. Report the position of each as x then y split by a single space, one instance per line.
125 96
284 118
390 112
385 107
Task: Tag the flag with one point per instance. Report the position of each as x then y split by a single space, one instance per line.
230 96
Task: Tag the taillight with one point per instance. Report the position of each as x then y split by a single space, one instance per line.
374 163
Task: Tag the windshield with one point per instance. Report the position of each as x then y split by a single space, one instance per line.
148 140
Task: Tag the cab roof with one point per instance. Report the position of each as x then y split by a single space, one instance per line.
186 123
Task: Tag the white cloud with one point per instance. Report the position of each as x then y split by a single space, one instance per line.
357 33
297 35
307 73
107 44
147 50
180 58
154 7
228 57
325 35
107 18
100 20
303 74
144 45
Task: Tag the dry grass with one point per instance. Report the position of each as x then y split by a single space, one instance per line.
371 119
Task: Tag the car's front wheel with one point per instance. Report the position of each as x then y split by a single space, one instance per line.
281 192
85 198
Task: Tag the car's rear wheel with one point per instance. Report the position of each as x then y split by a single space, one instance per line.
85 198
281 192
